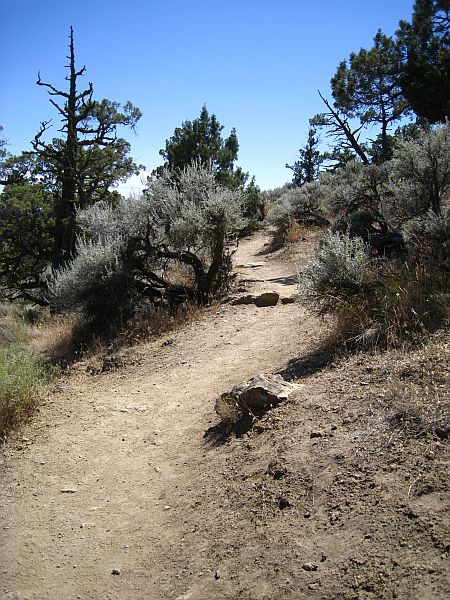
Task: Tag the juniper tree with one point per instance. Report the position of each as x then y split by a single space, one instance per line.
306 169
425 46
201 140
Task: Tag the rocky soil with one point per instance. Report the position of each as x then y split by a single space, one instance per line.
119 488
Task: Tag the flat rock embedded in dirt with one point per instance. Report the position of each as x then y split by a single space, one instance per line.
247 299
261 392
261 300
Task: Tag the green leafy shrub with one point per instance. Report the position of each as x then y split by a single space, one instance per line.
22 379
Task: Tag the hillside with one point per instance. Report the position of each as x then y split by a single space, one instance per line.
114 491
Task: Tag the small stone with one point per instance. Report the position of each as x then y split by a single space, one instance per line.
115 572
217 574
307 514
310 566
167 508
315 434
68 491
283 503
313 586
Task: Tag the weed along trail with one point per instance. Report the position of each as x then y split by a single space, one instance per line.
111 492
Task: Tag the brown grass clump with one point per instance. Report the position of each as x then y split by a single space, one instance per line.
417 400
294 232
55 339
150 322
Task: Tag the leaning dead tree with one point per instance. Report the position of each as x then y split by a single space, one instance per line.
339 128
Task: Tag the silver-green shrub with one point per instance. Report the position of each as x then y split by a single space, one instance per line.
428 239
303 204
337 273
419 176
125 251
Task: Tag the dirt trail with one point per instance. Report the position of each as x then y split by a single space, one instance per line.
114 474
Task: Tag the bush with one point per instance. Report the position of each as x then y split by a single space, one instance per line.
21 383
428 239
339 272
372 300
131 251
352 187
419 176
298 205
281 216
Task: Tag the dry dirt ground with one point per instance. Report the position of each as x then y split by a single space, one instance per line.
113 492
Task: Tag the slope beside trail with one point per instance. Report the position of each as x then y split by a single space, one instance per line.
109 492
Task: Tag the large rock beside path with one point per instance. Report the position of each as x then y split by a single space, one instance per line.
260 393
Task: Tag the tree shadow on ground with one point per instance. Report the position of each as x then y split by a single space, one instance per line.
289 280
313 362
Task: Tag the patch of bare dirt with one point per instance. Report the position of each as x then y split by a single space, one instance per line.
113 492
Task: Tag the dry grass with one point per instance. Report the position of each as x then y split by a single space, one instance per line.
22 381
54 339
295 232
417 399
150 322
12 326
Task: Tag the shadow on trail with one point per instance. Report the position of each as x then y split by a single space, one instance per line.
289 280
310 363
270 248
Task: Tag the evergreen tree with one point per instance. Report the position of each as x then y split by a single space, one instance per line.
425 45
367 87
306 169
201 141
26 240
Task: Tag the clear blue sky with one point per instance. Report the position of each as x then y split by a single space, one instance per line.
257 64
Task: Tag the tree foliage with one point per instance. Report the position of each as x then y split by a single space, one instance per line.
306 169
201 140
26 240
367 87
425 46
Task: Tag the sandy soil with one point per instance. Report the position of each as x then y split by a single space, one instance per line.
113 492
